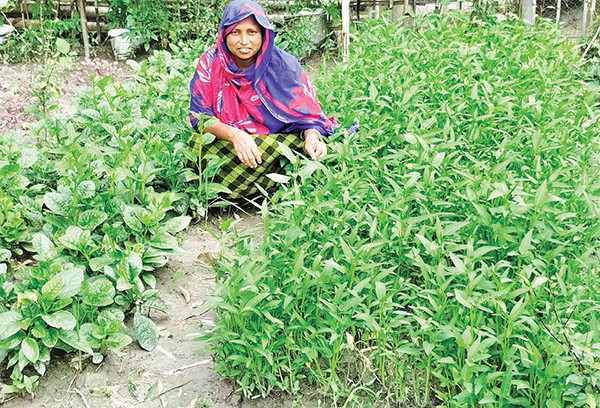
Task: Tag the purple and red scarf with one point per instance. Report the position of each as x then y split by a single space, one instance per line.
273 95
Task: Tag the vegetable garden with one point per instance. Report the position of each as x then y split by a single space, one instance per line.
451 244
445 254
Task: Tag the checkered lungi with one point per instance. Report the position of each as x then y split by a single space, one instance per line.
241 179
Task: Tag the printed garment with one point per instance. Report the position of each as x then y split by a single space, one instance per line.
273 95
241 180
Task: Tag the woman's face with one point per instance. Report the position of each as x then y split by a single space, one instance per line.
244 42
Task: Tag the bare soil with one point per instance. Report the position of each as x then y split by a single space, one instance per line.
17 83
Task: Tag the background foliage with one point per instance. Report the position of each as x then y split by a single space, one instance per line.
153 23
450 244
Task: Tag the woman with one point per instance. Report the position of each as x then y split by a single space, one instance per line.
260 95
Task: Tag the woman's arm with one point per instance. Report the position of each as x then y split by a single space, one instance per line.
243 143
313 144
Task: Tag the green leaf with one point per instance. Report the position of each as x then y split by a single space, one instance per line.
539 281
118 341
13 341
43 246
131 219
10 323
98 293
123 285
5 255
150 280
380 290
39 331
86 189
517 310
541 194
157 303
71 278
526 243
51 338
176 224
62 46
28 157
9 389
60 304
58 203
287 152
463 298
91 219
135 265
134 65
61 320
164 241
97 358
146 332
278 178
30 348
99 263
74 340
75 238
52 288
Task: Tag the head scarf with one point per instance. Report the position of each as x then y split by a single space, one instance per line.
273 95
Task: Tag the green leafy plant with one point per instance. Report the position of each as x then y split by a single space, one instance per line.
445 251
98 203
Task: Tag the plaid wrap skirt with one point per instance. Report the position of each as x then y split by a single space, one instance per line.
241 179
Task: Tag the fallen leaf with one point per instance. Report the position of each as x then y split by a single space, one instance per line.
193 402
185 293
166 353
160 389
183 326
206 258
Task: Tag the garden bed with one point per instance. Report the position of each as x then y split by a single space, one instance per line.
444 252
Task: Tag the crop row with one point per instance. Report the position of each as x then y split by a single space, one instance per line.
97 204
450 244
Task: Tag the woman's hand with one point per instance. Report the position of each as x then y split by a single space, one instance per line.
246 149
313 144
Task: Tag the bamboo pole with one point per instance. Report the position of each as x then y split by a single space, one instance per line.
558 10
345 26
20 24
584 22
84 30
97 16
592 13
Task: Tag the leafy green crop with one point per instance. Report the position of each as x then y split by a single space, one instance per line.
98 204
451 244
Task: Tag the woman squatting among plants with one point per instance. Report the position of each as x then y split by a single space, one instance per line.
260 95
